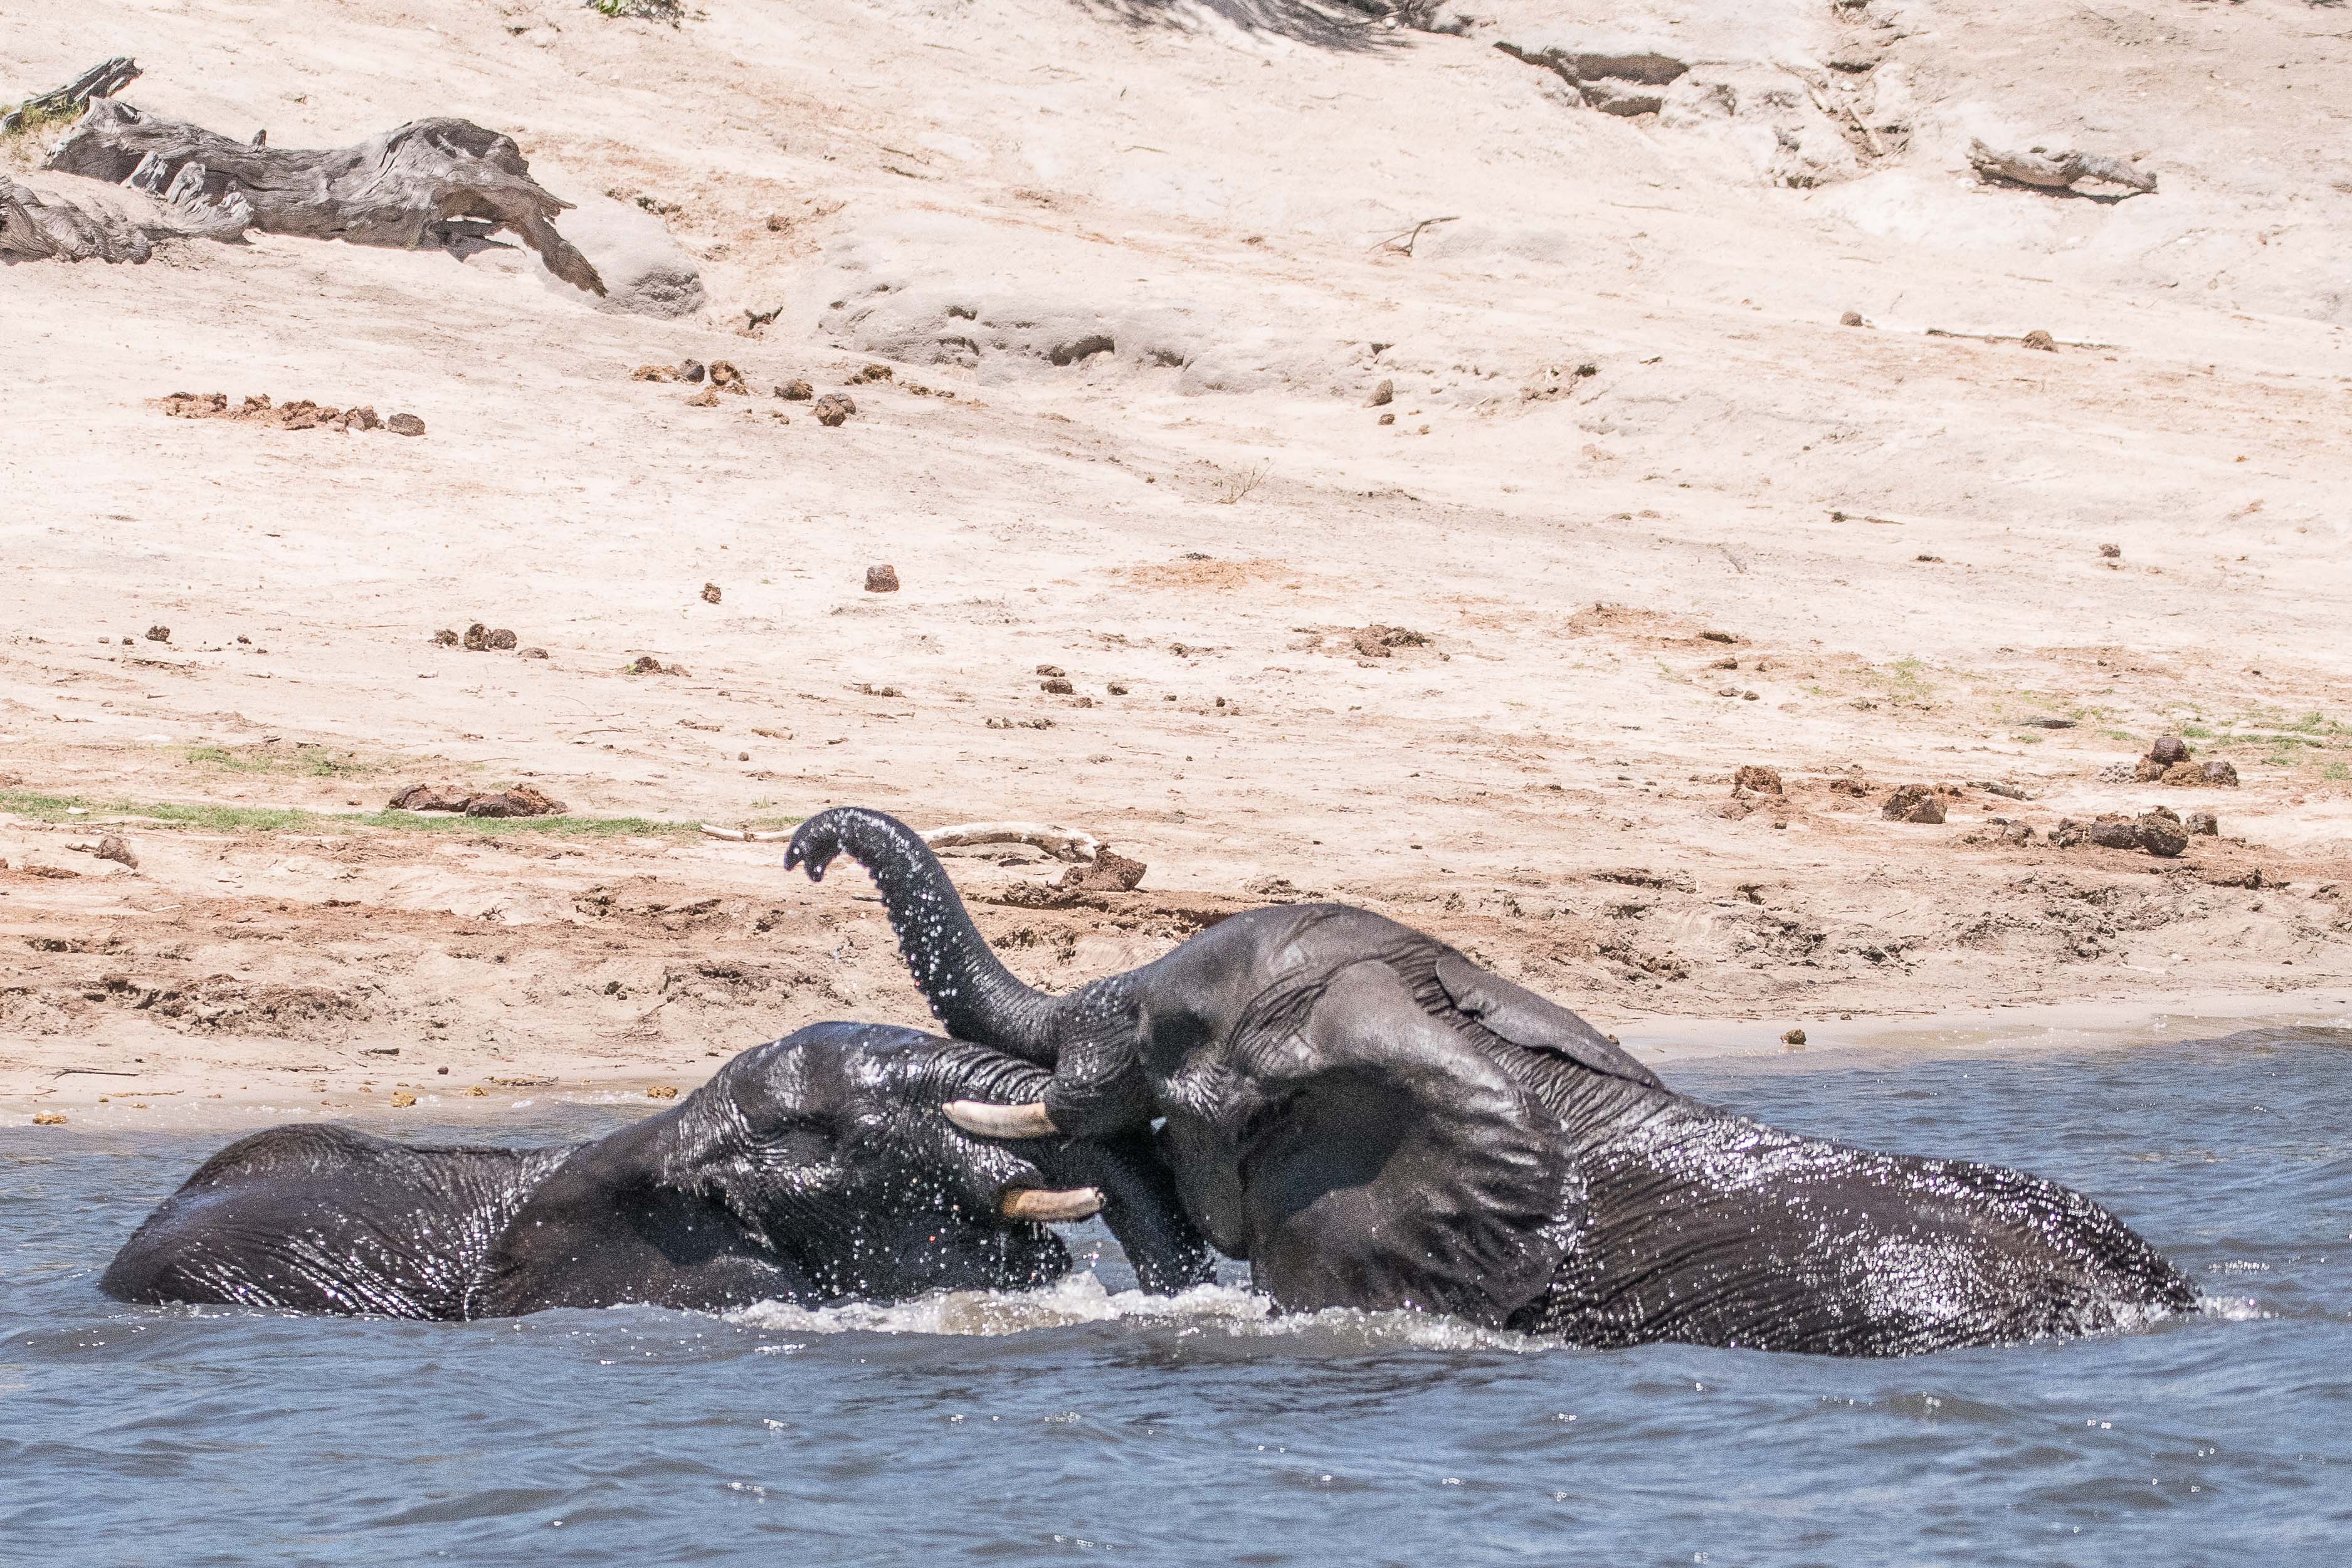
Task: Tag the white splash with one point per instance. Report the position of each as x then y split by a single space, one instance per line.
1222 1309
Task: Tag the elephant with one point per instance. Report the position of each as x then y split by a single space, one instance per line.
812 1169
1374 1121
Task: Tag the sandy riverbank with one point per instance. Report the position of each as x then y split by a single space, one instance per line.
1648 512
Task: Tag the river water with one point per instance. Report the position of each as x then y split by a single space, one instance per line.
1084 1423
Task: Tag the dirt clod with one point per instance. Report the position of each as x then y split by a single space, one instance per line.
706 398
430 797
654 373
833 409
1107 873
2161 833
1913 803
1849 319
522 800
2169 750
710 594
1382 395
881 580
2111 552
48 1119
2219 775
661 1091
111 848
159 634
1056 686
405 425
726 377
690 371
1761 779
1717 637
795 390
446 638
2038 339
1794 1036
2203 824
647 664
1051 670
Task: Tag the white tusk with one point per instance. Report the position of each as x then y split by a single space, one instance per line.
993 1120
1045 1206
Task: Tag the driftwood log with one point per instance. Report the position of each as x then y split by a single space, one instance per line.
429 184
98 81
2056 170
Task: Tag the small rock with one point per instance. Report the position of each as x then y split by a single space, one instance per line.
1382 395
2116 833
742 757
2111 552
2221 775
2184 773
2069 834
690 371
1051 670
522 800
1725 664
1387 419
654 373
478 638
881 580
1116 689
873 374
2147 771
1849 319
362 418
710 594
2202 824
647 664
48 1119
1913 803
402 1099
405 425
1058 686
157 635
706 398
2016 833
726 377
2161 833
2169 750
661 1091
833 409
1794 1036
499 640
2038 339
110 848
795 390
532 654
1763 780
1717 637
443 638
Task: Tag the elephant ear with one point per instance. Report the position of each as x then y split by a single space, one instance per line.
1529 1020
1394 1165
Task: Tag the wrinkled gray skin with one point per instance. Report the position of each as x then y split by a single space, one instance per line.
812 1169
1373 1120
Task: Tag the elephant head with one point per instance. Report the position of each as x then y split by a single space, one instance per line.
1367 1116
814 1168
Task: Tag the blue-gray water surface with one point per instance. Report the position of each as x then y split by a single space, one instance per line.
1084 1422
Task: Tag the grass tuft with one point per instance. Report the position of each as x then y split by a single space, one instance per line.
217 818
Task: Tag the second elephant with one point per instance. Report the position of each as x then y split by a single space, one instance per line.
1374 1121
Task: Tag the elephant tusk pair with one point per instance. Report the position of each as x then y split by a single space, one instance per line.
1043 1207
991 1121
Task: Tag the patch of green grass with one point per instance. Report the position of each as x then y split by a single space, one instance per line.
2026 739
27 144
308 761
2196 732
2337 771
218 818
1905 680
2126 736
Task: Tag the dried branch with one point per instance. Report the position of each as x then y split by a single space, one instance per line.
429 184
62 102
2056 170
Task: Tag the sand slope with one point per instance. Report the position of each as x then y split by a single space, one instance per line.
1157 258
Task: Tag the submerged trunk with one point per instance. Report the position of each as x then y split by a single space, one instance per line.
972 994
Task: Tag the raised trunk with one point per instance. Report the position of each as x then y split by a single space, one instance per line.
972 994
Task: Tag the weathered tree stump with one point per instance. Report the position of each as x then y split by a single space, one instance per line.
428 184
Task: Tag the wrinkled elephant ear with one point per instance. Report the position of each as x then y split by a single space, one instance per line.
1401 1166
1534 1022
